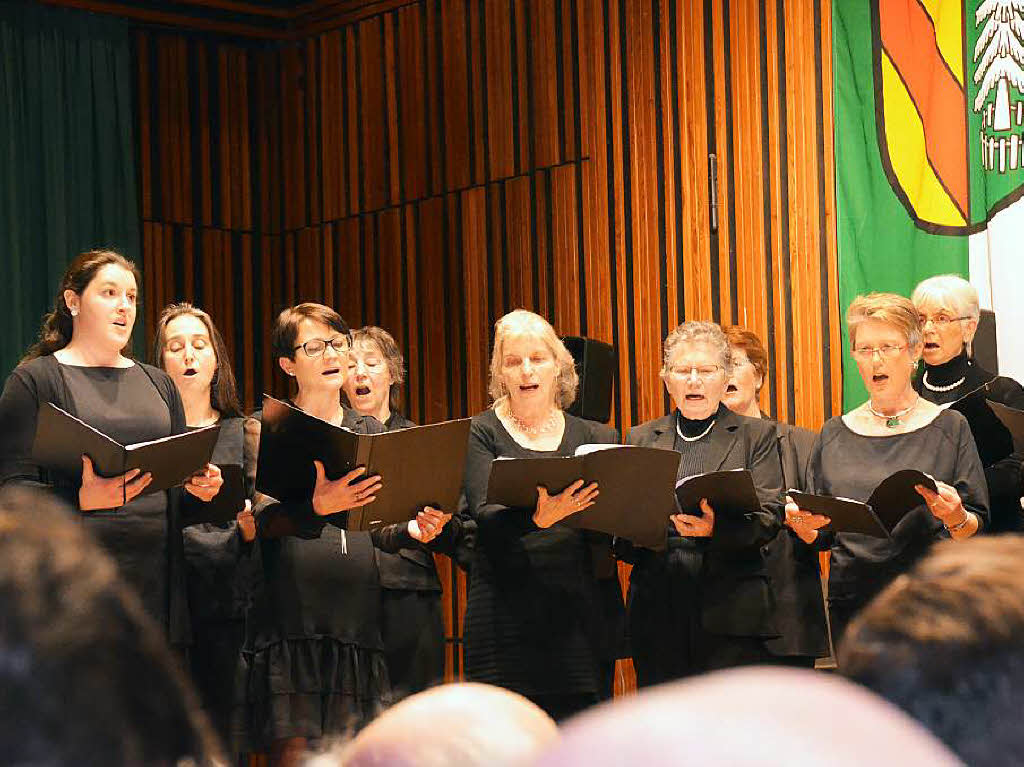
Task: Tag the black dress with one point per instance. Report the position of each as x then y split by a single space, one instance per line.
313 656
412 627
132 404
707 603
995 445
221 575
541 615
851 465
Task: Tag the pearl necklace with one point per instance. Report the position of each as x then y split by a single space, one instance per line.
933 387
891 421
549 423
699 436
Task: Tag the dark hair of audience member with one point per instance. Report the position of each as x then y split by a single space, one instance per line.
223 391
945 642
55 333
87 676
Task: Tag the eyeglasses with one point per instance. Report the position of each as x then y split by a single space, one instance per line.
704 372
372 365
941 321
889 351
315 347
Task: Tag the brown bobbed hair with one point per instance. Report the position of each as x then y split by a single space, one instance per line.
375 337
286 326
223 391
58 326
748 342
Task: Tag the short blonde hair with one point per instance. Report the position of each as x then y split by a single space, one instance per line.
950 291
890 308
695 332
523 323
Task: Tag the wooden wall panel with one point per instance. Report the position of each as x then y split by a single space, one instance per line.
429 165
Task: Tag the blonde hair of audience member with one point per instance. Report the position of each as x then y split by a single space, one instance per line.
747 717
469 725
749 368
945 642
885 337
948 309
376 372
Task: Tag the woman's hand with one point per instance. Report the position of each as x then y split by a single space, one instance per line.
333 495
693 526
555 508
246 523
428 524
948 508
804 523
102 493
206 483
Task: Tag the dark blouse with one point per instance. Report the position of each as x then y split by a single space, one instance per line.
995 445
851 465
537 617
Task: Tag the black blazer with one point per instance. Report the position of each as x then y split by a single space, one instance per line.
793 565
736 594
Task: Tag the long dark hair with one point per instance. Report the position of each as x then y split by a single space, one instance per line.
57 327
223 392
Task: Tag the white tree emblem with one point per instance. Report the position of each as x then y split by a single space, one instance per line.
1001 56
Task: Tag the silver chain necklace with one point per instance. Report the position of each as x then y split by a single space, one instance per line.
891 421
699 436
933 387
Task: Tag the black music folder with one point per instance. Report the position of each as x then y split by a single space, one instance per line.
730 493
224 506
892 500
1013 420
61 439
419 466
635 488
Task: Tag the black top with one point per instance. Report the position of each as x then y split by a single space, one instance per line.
851 465
131 404
537 615
995 445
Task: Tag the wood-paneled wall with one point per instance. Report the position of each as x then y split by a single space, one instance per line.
433 165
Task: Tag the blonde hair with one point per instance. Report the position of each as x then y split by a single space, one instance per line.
890 308
695 332
523 323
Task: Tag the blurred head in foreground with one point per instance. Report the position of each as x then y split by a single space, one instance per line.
748 717
945 642
86 675
470 725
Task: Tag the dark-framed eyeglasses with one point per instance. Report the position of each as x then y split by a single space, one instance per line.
315 347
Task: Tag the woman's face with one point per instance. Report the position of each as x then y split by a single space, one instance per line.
188 356
528 370
105 310
695 380
884 359
743 385
324 372
368 383
942 333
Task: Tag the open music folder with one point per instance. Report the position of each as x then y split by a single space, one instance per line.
61 439
419 466
635 488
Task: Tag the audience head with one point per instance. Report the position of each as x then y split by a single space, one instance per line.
696 363
311 343
470 725
945 642
190 348
885 340
95 304
376 372
747 717
749 369
87 677
949 310
530 364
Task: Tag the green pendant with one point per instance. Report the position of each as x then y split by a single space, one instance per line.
893 422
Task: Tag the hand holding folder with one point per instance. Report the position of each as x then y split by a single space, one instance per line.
224 506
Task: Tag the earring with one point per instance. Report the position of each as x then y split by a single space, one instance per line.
74 312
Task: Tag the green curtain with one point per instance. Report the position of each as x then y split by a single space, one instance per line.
67 156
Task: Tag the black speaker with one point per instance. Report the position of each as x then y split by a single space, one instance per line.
984 348
595 364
